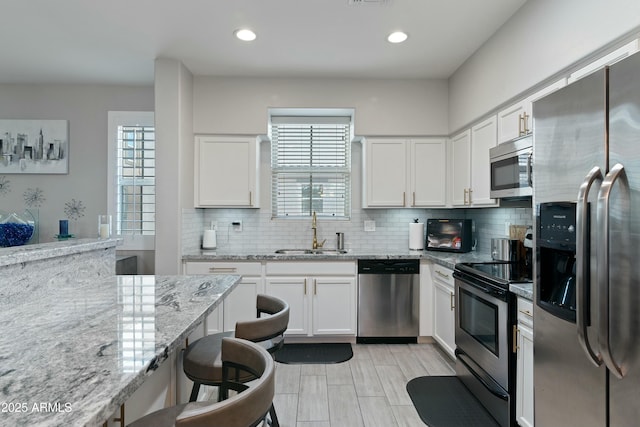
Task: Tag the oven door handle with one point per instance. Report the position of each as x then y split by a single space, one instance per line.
488 382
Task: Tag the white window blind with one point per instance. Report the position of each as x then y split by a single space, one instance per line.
136 172
311 166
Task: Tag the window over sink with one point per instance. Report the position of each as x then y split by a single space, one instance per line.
310 162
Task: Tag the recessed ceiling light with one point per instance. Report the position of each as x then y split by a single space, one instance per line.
397 37
245 34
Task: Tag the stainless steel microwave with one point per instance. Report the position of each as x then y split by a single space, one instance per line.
511 168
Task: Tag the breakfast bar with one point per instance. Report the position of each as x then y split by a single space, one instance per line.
76 344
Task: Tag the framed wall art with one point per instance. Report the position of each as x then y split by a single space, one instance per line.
34 146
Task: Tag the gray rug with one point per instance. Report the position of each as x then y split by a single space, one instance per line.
446 402
314 353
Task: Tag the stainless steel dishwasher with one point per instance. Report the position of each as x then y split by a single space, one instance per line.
388 300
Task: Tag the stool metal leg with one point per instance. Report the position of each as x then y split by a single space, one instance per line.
194 392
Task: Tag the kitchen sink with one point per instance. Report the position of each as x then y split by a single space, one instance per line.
311 251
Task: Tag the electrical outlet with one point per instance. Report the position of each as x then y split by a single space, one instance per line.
237 225
370 225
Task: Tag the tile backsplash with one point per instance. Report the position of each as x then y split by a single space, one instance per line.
262 233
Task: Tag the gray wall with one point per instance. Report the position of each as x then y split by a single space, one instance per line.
85 107
543 38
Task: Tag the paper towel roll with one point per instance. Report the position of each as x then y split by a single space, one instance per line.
416 235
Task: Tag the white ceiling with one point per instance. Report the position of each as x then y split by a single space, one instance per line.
116 41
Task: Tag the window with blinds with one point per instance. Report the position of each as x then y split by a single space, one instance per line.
136 172
310 166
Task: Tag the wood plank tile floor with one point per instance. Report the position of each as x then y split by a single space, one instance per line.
367 391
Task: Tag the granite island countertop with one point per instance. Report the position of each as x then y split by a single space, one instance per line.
68 347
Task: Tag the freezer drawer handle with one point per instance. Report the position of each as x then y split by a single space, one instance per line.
582 263
617 173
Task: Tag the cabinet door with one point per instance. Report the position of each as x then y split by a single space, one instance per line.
385 174
444 316
241 302
483 138
460 149
294 291
524 365
225 172
428 172
512 121
334 305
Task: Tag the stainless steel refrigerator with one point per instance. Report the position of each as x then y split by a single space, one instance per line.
587 153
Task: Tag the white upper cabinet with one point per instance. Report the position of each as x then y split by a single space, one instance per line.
226 172
517 119
470 169
427 172
460 158
385 173
483 138
400 172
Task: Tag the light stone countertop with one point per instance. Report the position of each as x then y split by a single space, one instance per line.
66 347
446 259
40 251
524 290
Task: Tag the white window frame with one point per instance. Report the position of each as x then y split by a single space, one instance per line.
115 119
320 116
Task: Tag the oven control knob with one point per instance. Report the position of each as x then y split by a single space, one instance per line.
571 229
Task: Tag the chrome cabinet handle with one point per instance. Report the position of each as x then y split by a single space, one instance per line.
617 173
530 168
404 198
414 199
526 313
466 191
582 263
452 301
470 191
250 199
441 274
222 270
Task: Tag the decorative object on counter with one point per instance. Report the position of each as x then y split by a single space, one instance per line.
16 229
63 231
416 235
34 197
35 146
74 209
339 241
209 239
104 226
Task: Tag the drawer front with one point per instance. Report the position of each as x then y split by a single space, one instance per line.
443 274
313 268
525 312
242 268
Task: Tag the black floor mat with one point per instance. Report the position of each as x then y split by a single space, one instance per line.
314 353
446 402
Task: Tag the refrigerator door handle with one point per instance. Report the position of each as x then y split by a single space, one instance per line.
617 173
582 264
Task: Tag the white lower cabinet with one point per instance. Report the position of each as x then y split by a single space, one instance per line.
444 315
524 364
240 304
321 296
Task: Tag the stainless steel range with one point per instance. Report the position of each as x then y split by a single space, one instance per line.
485 317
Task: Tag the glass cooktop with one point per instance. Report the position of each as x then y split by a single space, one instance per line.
501 272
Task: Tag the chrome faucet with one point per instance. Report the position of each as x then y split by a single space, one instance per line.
314 227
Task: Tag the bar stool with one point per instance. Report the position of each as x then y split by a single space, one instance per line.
202 364
248 408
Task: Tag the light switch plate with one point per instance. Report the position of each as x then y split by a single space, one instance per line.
370 225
